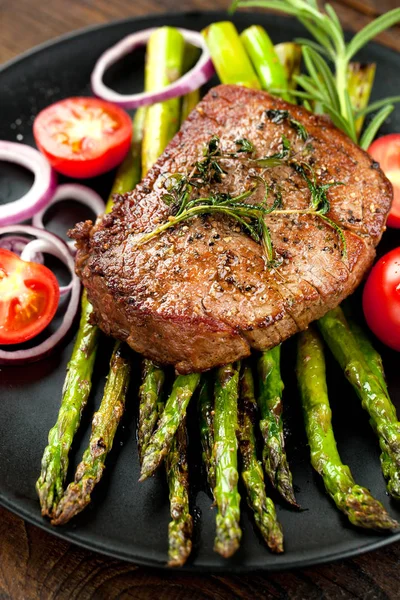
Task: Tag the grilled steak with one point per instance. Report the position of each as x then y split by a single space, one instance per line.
202 294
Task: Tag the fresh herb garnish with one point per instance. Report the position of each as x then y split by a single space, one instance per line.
181 189
280 116
245 145
328 88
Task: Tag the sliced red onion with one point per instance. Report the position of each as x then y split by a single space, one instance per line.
72 191
58 246
192 80
35 248
42 189
16 244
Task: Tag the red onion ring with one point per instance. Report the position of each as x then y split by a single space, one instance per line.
42 189
192 80
16 244
73 191
44 348
35 248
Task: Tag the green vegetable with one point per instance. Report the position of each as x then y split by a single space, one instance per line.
181 527
354 501
264 58
78 381
104 425
229 57
321 85
164 65
289 55
252 474
206 419
76 391
149 398
227 498
269 402
373 396
189 102
175 410
360 80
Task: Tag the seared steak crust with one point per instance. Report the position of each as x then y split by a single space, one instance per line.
201 294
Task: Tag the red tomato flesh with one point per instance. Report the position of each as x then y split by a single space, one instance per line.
381 299
83 137
29 295
386 151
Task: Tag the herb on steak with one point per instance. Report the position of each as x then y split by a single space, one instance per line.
180 190
280 116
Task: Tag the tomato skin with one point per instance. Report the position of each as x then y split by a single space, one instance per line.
386 151
381 299
83 137
29 296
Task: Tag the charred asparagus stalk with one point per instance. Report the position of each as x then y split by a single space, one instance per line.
180 528
289 55
77 385
223 42
227 498
252 473
149 398
206 418
104 425
189 102
265 60
78 381
360 79
174 413
269 400
354 501
164 60
373 396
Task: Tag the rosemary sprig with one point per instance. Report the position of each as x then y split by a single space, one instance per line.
181 197
323 85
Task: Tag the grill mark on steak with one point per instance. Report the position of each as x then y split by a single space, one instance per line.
200 295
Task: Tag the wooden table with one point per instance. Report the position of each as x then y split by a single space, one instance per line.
33 564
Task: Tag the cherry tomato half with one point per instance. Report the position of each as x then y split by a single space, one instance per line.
386 150
83 137
381 299
29 296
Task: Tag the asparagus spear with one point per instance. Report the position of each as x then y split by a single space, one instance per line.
354 501
149 398
360 79
164 59
74 398
206 418
227 498
189 102
289 55
229 57
269 402
252 474
373 396
78 380
265 60
175 409
104 425
181 527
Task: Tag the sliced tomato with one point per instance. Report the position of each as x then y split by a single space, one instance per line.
381 299
83 137
29 295
386 151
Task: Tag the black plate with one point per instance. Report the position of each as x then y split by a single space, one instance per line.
128 520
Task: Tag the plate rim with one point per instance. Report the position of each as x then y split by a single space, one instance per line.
37 521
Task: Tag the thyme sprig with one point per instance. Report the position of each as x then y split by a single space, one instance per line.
181 189
323 85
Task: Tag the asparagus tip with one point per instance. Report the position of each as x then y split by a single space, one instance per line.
365 511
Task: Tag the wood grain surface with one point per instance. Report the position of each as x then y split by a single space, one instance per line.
35 565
